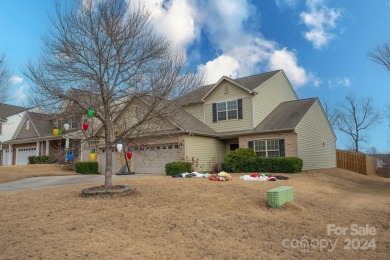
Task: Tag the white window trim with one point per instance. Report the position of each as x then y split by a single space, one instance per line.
266 147
227 110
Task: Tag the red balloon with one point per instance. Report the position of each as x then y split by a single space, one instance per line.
129 155
85 126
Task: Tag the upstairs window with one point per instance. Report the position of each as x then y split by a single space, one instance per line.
228 110
1 128
73 122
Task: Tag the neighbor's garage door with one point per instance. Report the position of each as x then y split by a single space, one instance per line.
153 159
5 157
22 154
102 162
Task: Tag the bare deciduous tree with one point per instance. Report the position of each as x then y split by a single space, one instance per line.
109 50
381 55
4 79
356 116
332 113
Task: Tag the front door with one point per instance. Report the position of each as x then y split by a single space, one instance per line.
233 147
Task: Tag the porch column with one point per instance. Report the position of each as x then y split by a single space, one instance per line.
47 148
66 143
10 156
37 150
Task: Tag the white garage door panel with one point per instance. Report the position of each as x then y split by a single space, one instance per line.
5 157
153 161
102 162
22 154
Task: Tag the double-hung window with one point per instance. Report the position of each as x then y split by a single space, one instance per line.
227 110
267 148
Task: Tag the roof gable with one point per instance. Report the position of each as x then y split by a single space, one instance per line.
10 110
218 84
247 83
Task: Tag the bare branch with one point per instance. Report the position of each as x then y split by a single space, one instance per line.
381 55
4 79
356 116
106 55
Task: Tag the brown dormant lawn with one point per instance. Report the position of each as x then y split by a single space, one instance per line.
16 172
169 218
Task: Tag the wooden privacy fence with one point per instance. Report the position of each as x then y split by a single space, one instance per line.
356 162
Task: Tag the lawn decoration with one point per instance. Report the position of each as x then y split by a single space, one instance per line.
129 153
90 112
66 126
92 155
85 125
119 146
69 156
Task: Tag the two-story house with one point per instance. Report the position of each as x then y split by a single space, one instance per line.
261 112
10 117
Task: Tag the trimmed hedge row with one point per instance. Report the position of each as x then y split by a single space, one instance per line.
87 167
265 164
44 159
174 168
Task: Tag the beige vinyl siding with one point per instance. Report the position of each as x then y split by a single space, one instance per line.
234 93
208 150
196 111
136 112
270 94
316 140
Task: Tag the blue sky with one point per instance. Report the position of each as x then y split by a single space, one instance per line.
322 45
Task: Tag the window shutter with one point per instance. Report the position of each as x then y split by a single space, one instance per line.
282 152
250 144
239 106
214 112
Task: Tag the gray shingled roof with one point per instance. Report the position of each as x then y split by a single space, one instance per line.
42 123
9 110
285 116
250 82
189 123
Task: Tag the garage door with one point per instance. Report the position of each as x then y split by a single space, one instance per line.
22 154
102 162
153 159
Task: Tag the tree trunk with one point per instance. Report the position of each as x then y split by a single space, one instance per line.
108 170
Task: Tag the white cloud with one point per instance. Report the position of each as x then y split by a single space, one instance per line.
223 65
240 51
15 80
320 20
339 82
21 93
174 19
286 60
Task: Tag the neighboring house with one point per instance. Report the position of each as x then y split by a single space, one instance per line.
261 112
10 117
34 137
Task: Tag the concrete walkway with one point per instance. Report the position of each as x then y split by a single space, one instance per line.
58 181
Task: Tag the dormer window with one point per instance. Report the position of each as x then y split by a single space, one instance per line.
227 110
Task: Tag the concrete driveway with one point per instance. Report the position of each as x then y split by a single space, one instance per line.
58 181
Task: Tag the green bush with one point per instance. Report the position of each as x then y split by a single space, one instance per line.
265 164
87 167
44 159
238 156
174 168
